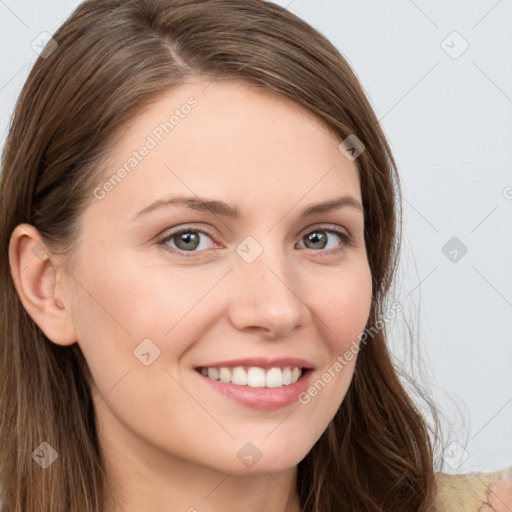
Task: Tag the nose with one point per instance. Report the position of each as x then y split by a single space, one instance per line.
266 296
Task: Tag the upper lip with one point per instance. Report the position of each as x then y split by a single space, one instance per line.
262 362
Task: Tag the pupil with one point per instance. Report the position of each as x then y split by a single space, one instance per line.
188 238
315 237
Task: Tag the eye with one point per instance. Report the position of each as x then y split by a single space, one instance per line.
187 240
319 239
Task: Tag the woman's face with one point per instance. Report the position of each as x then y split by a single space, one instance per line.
151 309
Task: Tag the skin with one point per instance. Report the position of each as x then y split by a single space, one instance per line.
499 498
171 442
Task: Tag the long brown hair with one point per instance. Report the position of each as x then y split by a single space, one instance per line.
113 58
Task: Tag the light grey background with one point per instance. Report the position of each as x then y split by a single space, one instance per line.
448 118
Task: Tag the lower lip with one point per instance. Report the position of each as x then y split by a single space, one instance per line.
262 398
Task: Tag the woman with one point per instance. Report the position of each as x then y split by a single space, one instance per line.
200 223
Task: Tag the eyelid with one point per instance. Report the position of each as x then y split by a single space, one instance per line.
321 226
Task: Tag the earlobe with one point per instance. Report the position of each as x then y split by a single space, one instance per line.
38 281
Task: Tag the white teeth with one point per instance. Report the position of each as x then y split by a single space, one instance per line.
287 376
213 373
274 378
239 376
225 374
255 376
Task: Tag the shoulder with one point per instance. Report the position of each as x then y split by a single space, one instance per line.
466 492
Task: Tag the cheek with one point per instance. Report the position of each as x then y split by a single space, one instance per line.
343 309
343 305
122 301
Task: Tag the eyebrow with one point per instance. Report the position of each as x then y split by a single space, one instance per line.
225 210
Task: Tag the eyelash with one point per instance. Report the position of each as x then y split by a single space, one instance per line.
347 240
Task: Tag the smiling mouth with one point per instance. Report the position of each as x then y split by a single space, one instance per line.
254 376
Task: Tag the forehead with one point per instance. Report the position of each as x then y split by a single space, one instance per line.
227 138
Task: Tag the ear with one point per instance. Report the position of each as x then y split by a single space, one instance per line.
39 283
